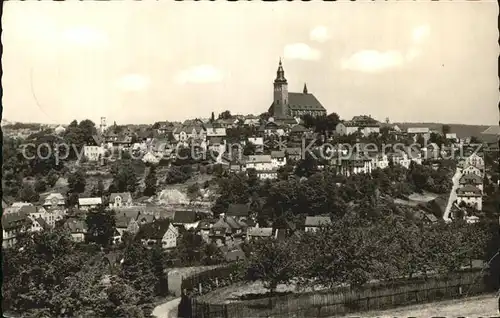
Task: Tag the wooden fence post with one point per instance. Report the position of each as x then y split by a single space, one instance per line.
199 288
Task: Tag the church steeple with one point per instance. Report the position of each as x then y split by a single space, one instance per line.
280 74
305 88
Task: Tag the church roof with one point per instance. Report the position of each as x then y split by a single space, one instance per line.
301 101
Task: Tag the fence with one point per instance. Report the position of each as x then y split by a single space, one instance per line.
346 300
204 282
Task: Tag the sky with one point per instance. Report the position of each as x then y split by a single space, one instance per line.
144 61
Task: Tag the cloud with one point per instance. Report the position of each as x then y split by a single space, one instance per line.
133 82
84 36
420 33
200 74
373 61
301 51
319 34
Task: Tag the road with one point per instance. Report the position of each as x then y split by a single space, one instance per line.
167 310
453 194
481 306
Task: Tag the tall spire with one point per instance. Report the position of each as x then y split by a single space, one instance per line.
280 74
305 88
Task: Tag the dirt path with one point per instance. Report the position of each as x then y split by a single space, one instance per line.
481 306
167 310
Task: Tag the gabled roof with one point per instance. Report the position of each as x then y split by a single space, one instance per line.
301 101
42 223
235 225
28 209
238 210
154 230
56 198
294 151
184 217
317 221
221 224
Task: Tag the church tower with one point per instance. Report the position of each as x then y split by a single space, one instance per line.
280 93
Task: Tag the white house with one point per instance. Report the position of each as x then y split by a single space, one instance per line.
354 165
149 157
118 200
267 174
89 203
346 128
471 196
381 161
215 132
314 223
259 162
189 132
278 159
169 239
401 159
94 150
472 169
475 160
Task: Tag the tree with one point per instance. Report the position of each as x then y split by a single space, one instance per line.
28 194
272 262
249 149
98 189
193 191
40 185
76 182
225 115
445 129
52 178
125 178
101 226
151 182
212 117
177 175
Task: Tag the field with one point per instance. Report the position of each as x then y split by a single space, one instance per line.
482 306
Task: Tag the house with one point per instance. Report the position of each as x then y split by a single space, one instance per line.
470 196
14 224
251 121
472 169
400 158
238 211
217 144
278 159
258 142
228 122
381 161
159 232
270 128
186 219
203 229
451 136
94 149
471 179
294 154
39 224
118 200
366 125
77 229
255 233
54 200
232 253
416 132
190 132
215 132
475 160
313 223
221 233
267 174
259 162
297 132
354 164
89 203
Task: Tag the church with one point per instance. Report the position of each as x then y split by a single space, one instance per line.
289 105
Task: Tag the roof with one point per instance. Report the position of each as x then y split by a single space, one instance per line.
233 223
123 220
211 132
293 151
298 129
238 210
20 204
54 198
493 130
183 217
417 130
216 140
89 201
28 209
221 224
260 231
301 101
76 225
316 221
259 158
469 188
15 219
126 196
154 230
277 154
204 225
42 223
471 178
